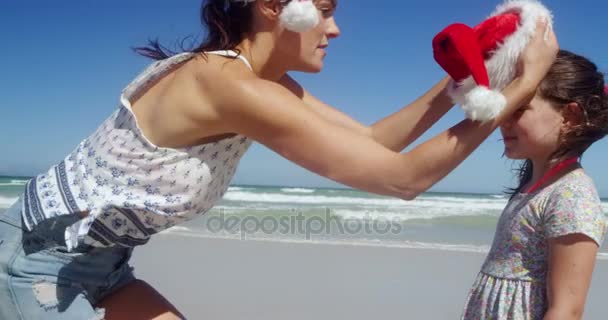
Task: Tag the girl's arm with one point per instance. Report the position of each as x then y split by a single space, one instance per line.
571 261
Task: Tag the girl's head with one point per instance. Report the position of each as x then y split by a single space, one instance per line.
568 113
230 22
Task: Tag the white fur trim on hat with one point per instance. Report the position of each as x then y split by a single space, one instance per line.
502 65
299 15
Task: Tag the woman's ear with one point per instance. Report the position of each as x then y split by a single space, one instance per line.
270 9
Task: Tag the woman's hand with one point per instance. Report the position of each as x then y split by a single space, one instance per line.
539 54
533 65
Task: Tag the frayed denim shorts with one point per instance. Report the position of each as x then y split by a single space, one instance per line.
40 279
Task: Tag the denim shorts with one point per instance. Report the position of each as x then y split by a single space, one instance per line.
40 279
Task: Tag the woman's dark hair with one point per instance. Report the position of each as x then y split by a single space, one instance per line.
572 78
226 23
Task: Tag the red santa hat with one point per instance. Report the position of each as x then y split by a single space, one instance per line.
297 15
483 60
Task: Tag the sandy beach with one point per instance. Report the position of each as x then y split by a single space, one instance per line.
423 271
235 279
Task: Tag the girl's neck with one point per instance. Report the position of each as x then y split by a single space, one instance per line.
543 167
540 167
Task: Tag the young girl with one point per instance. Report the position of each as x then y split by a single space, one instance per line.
548 235
170 150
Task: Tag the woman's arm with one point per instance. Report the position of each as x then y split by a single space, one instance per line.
331 114
571 263
403 127
398 130
273 116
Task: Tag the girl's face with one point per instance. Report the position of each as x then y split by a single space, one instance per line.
533 131
307 50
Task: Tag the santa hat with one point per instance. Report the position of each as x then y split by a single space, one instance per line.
297 15
483 60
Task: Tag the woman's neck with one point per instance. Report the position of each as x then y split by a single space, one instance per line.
265 61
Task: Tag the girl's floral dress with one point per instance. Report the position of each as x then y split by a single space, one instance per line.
512 281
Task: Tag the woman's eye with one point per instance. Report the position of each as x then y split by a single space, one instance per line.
327 12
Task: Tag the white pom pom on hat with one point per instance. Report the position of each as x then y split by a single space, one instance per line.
297 15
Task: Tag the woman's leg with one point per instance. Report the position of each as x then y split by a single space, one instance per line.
138 300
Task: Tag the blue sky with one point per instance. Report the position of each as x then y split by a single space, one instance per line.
64 64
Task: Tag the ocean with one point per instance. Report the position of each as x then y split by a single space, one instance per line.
443 221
